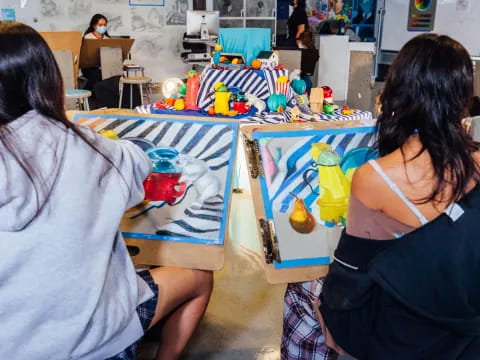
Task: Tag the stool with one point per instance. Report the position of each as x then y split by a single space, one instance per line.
81 96
140 81
133 68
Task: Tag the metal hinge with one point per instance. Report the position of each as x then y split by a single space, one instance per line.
270 241
254 158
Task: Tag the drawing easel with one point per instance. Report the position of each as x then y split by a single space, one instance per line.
90 51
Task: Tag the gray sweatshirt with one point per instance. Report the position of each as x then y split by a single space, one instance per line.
68 289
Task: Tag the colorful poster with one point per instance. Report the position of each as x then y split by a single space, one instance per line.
421 15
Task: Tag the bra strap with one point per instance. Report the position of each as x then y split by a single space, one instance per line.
399 192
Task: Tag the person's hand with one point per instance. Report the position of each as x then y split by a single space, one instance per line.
329 341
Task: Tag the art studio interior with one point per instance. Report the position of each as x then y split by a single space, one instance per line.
239 179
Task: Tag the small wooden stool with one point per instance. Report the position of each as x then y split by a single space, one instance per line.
138 80
81 96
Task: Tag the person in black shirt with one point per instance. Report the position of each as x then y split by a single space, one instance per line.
297 22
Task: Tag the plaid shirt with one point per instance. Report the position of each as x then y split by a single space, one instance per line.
302 337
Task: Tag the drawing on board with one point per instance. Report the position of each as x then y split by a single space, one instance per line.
306 187
147 19
187 193
178 13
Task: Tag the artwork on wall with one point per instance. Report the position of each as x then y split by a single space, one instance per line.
80 8
421 15
146 2
146 19
228 8
177 15
49 8
187 194
150 47
260 8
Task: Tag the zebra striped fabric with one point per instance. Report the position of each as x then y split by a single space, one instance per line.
212 142
260 83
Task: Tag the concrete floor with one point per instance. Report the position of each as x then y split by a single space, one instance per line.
243 320
245 312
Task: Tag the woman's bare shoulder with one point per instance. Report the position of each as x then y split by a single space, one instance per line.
367 187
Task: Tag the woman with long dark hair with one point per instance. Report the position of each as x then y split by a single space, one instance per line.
404 281
68 288
97 29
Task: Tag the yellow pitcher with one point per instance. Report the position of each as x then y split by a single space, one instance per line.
221 104
333 184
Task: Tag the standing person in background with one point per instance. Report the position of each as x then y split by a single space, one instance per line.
68 287
309 57
297 22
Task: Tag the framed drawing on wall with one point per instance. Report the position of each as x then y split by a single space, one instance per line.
146 2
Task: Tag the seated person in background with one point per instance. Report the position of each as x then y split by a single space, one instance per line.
69 289
105 92
96 30
404 280
309 57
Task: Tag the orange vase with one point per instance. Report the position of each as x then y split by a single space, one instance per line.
193 86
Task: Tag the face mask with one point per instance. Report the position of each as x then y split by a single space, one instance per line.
101 29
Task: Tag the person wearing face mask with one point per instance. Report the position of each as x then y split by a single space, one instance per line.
297 22
96 30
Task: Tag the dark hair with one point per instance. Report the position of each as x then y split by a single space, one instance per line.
328 27
301 4
94 21
429 91
306 38
30 80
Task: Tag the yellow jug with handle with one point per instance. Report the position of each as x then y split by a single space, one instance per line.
333 184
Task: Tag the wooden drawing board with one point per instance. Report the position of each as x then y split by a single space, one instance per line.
303 257
177 232
65 40
90 51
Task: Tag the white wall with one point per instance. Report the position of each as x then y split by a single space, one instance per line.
157 32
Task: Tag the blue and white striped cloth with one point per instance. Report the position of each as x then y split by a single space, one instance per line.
209 142
260 83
